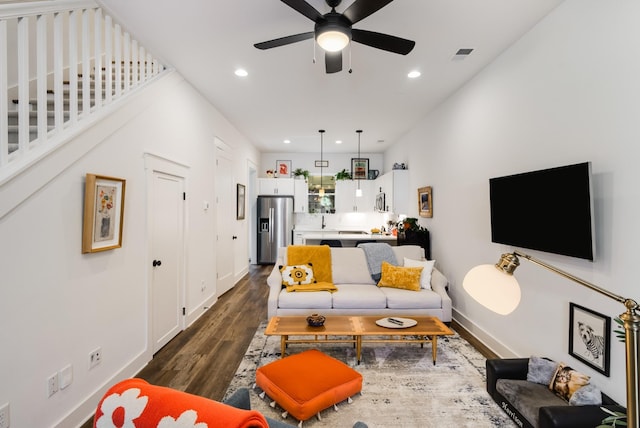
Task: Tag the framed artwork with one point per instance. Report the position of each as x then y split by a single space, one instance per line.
322 164
589 337
360 168
103 213
425 202
240 201
283 168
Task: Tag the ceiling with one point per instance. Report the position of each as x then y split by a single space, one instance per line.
287 97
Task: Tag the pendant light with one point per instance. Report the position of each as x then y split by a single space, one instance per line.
321 191
359 190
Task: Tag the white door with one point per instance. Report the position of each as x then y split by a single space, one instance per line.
226 213
167 243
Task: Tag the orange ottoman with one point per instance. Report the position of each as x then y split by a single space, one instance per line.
306 383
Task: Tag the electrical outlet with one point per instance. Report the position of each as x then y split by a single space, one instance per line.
52 384
95 358
4 416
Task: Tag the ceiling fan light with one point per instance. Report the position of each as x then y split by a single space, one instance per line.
333 40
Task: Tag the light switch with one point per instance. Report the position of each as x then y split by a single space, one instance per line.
65 377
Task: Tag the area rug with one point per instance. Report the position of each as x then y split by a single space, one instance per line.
401 386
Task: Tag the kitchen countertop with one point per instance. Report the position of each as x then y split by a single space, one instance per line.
347 236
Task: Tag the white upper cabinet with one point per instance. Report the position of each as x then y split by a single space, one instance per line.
346 200
276 186
300 196
395 186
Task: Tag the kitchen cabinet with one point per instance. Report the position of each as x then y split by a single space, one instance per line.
276 186
300 196
346 200
395 186
298 237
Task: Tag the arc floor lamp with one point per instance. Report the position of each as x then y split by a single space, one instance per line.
495 287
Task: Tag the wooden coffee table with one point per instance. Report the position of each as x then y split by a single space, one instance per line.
356 330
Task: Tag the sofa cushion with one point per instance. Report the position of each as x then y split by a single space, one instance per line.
359 296
317 255
403 299
566 381
425 276
350 266
527 397
297 274
406 278
541 370
587 395
314 300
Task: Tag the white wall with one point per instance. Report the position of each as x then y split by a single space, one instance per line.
567 92
56 304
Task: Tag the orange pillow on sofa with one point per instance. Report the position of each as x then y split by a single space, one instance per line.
406 278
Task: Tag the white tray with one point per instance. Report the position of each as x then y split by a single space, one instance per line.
406 322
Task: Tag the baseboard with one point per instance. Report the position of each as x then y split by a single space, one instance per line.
85 410
495 346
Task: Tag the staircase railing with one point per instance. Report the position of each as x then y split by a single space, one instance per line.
61 64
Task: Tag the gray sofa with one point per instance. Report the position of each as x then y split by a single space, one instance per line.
357 293
534 405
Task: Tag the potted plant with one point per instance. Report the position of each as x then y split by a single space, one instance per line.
343 175
299 172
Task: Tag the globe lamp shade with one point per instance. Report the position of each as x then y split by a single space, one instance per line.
493 289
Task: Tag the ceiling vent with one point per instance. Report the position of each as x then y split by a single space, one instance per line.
462 54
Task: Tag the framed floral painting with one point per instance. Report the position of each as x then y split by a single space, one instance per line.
103 213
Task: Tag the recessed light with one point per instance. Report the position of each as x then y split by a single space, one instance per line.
413 74
241 72
287 141
338 141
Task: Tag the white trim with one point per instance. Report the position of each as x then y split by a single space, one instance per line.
483 336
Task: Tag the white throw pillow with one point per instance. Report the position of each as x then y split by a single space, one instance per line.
425 276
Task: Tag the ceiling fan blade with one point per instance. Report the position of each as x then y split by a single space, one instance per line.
360 9
284 40
383 41
304 8
333 61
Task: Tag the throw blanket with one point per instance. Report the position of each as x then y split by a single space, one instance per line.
136 403
376 253
316 286
318 255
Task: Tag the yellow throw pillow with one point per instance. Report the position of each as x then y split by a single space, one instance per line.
297 275
566 381
406 278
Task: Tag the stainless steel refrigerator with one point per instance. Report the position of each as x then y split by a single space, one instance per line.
275 226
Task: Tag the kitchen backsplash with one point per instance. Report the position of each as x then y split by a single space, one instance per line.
342 221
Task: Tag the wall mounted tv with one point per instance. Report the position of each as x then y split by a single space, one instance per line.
548 210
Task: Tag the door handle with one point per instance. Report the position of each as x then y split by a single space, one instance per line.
234 237
157 263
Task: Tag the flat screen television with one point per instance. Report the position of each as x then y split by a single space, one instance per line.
548 210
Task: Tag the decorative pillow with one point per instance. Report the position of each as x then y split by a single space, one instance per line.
587 395
541 370
406 278
425 277
297 274
566 381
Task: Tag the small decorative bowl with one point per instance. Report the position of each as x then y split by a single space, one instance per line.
316 320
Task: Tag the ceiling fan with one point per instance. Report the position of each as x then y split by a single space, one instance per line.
333 31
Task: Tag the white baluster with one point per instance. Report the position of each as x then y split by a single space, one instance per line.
4 99
97 58
86 64
41 75
127 62
23 85
58 71
108 58
119 63
73 67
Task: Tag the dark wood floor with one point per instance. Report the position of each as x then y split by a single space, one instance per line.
203 359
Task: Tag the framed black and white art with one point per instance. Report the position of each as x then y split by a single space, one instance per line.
589 337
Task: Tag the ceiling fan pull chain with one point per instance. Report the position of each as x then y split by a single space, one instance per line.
350 69
314 52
